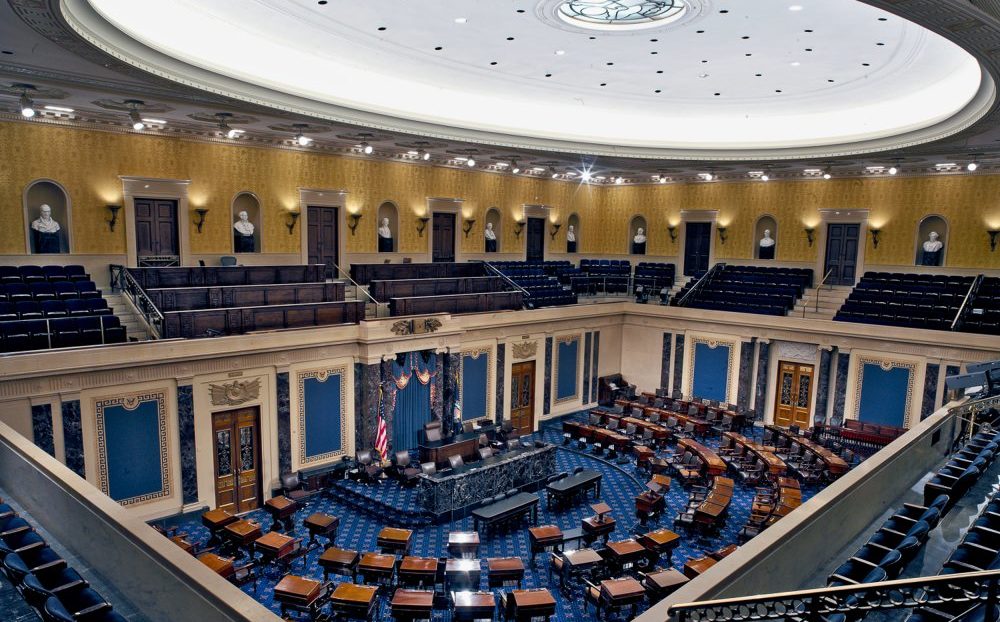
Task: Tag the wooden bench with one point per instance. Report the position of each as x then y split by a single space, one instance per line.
365 273
197 276
239 320
458 303
228 296
408 288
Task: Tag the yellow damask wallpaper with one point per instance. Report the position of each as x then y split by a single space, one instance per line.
87 163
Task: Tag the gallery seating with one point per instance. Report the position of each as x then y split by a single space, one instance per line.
457 303
200 276
384 290
927 301
364 274
984 314
60 332
41 274
747 289
543 288
215 297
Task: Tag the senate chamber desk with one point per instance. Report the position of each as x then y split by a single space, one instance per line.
463 444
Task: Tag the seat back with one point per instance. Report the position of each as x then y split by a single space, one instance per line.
455 461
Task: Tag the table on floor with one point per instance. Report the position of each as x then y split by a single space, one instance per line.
282 511
504 569
618 593
520 504
662 583
300 594
624 554
216 520
377 567
463 543
324 525
394 540
222 566
242 534
412 604
662 542
417 571
529 604
470 606
462 573
544 538
339 561
356 601
694 567
275 547
572 485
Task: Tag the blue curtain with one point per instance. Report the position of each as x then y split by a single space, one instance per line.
133 450
412 408
883 395
323 416
711 372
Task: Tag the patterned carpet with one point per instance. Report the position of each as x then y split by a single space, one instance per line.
620 484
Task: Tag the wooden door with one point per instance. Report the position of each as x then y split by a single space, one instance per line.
237 459
156 228
322 238
522 397
841 253
697 246
444 238
795 387
536 239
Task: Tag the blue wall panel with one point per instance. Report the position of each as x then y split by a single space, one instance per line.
323 417
567 356
883 395
133 450
474 385
711 372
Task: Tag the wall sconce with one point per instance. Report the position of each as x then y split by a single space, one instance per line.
993 239
722 234
672 230
293 217
468 226
555 229
875 233
353 222
114 215
422 224
518 228
201 211
809 234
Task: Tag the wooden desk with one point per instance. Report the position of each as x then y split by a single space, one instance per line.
694 567
394 540
222 566
714 465
379 567
595 527
625 554
617 593
417 571
835 465
527 604
662 583
649 503
582 559
215 520
275 547
339 561
643 455
774 464
242 534
470 606
462 573
463 544
504 569
412 604
299 593
182 542
662 542
320 524
544 538
354 601
282 511
716 504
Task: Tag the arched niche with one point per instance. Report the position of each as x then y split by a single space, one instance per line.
493 217
932 223
573 241
388 210
769 224
41 239
249 203
637 248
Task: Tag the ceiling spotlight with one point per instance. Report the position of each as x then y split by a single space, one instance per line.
707 176
826 174
893 170
302 140
137 122
972 166
560 52
663 179
514 168
460 20
765 177
366 148
423 155
795 7
552 170
470 162
619 180
585 176
27 106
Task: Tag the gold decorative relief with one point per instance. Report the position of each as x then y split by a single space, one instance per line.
235 393
525 349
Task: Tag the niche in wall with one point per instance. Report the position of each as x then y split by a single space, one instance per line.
769 224
388 210
249 203
47 236
572 241
493 217
637 247
931 224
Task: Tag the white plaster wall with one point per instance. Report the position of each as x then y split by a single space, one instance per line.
642 352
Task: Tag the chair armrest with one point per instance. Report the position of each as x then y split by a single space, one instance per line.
973 545
987 531
69 586
29 547
913 507
901 517
964 567
893 532
863 561
11 532
83 613
881 547
841 578
59 563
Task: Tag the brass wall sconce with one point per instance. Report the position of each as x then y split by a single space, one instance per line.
293 217
672 230
422 224
722 233
809 234
993 239
201 211
353 222
875 235
518 228
114 215
467 227
555 229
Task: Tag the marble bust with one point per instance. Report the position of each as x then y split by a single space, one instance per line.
243 234
639 242
490 238
45 231
931 255
571 239
384 237
766 246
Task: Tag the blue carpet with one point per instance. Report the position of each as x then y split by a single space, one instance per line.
364 510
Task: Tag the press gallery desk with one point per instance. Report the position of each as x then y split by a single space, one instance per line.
453 490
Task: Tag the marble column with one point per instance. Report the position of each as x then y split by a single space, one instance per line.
587 338
665 360
594 362
840 390
760 392
823 385
185 429
678 385
501 368
284 422
41 427
746 371
930 390
73 436
438 410
366 402
452 370
547 392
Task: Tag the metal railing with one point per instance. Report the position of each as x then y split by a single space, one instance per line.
816 296
498 272
381 308
964 309
123 281
952 594
705 278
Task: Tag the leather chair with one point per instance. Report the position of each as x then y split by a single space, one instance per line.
455 461
405 472
293 488
367 467
432 435
857 568
428 468
81 604
38 588
484 453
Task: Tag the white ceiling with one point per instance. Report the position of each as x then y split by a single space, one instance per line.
834 84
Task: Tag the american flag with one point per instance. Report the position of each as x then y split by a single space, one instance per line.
381 440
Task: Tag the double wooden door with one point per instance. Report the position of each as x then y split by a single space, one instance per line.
841 253
795 387
536 239
443 249
322 237
697 247
522 397
156 228
237 459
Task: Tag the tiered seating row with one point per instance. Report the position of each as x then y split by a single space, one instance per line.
383 291
911 300
749 289
364 274
214 297
538 280
40 274
239 320
201 276
60 332
457 303
985 315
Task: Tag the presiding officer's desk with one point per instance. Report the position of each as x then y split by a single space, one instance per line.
462 444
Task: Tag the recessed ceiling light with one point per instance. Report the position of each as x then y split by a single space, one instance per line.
972 166
619 180
154 121
795 63
302 140
366 148
765 177
795 7
58 108
460 20
560 52
893 170
585 176
470 162
27 106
